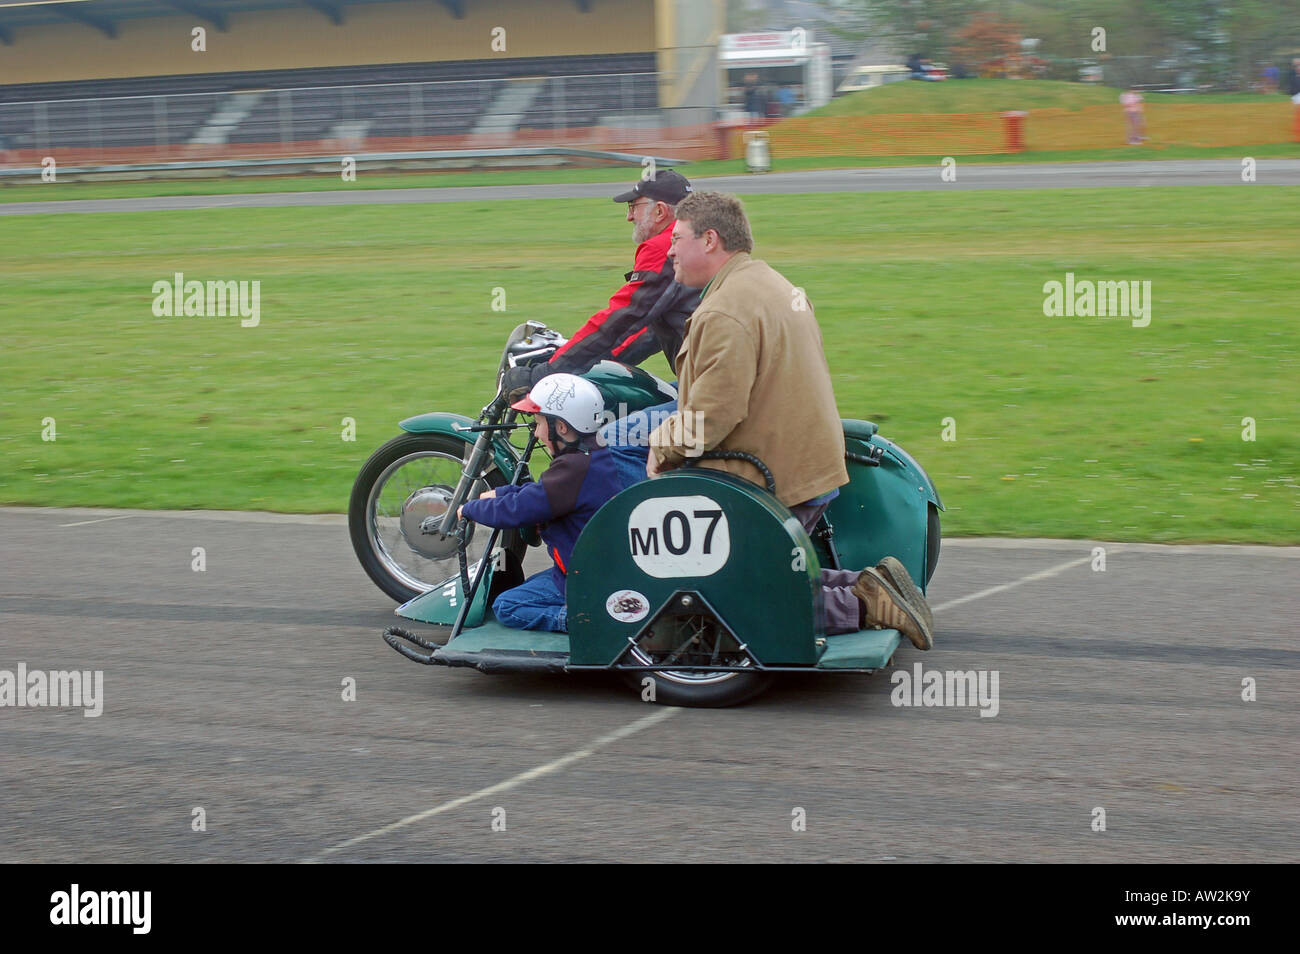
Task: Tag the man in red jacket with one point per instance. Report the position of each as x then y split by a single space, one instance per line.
648 313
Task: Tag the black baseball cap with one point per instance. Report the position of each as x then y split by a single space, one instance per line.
667 186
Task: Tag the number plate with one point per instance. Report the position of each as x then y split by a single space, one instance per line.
679 536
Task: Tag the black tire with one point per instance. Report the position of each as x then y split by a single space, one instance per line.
405 575
734 689
931 543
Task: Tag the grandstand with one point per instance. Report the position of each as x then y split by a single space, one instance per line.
119 81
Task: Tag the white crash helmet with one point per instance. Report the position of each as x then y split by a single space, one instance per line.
572 399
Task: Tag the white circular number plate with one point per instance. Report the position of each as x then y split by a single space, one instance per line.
679 536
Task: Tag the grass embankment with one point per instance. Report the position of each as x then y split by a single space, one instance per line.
994 96
930 303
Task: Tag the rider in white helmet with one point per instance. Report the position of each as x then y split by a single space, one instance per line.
581 478
569 410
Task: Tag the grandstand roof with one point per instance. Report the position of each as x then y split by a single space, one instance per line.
106 15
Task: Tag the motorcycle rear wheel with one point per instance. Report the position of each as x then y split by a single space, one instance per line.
411 477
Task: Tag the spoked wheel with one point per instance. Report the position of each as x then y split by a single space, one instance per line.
694 640
409 479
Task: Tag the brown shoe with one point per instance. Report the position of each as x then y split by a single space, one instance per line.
896 575
884 607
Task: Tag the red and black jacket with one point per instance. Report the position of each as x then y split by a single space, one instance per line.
646 315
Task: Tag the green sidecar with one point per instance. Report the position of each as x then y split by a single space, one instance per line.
698 587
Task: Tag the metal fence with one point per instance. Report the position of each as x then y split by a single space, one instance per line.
169 125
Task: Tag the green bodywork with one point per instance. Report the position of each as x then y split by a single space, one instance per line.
709 533
627 389
882 511
441 604
764 586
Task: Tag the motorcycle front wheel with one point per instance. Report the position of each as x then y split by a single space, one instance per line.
407 480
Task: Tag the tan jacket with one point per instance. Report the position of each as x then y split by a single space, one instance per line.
753 377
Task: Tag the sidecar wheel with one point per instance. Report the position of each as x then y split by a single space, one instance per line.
706 690
411 477
731 689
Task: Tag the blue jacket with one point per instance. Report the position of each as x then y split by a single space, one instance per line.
574 487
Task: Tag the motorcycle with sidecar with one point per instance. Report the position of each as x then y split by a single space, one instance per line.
697 587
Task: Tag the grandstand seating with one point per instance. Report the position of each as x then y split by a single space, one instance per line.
571 101
387 100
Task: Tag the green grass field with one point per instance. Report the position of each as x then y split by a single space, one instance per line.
931 306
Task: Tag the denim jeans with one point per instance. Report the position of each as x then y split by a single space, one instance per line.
628 440
537 603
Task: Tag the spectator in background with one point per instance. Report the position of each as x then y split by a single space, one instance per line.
1293 81
1131 100
785 96
1268 79
753 96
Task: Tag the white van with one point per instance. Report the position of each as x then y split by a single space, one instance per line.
873 77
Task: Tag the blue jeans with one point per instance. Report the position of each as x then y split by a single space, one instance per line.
628 440
538 603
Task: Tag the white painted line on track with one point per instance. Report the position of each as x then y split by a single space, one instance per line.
82 523
645 722
1003 587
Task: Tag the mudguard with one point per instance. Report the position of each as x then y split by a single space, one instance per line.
454 425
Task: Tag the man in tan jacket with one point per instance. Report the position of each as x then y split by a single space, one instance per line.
754 378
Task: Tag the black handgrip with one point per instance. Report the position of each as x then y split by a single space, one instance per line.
737 455
871 460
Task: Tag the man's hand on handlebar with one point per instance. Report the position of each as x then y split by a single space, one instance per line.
517 382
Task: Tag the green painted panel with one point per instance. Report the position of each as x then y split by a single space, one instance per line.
492 635
882 511
441 604
868 649
703 531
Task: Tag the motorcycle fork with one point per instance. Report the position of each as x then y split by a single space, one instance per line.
473 470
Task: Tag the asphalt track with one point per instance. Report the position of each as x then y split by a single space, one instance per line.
1047 175
1118 689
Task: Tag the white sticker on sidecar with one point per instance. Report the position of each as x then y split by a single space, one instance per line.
679 536
627 606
